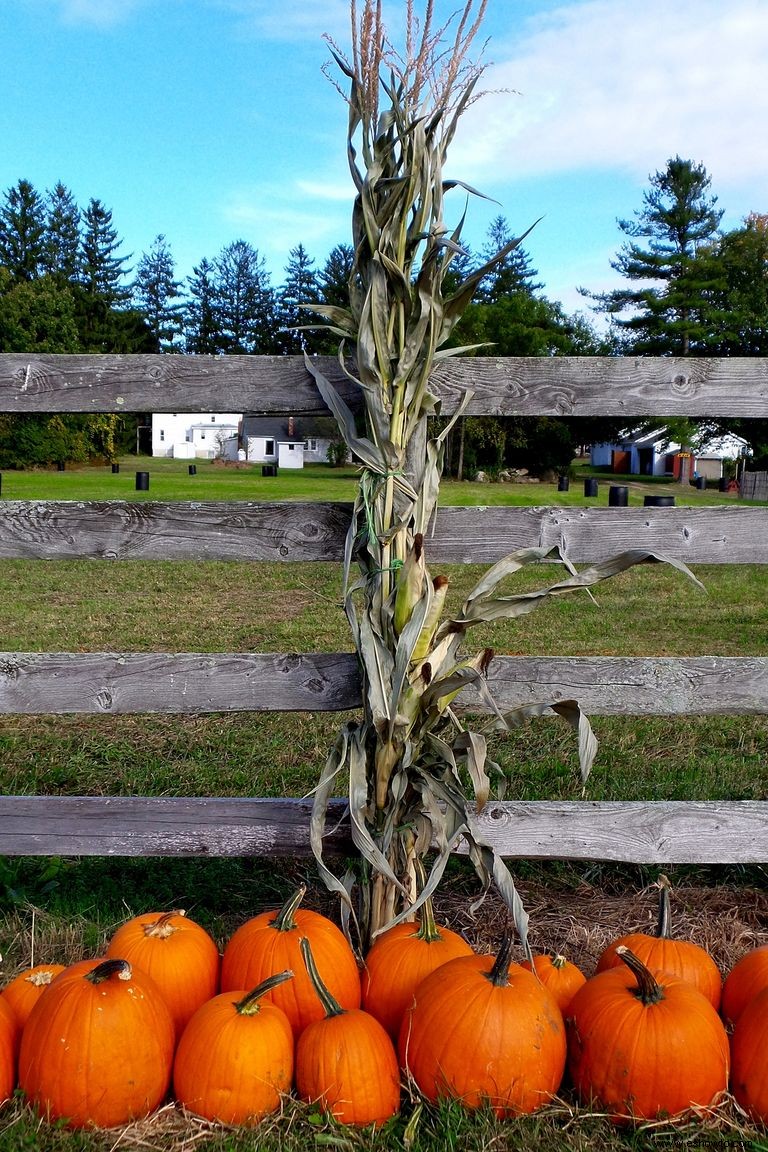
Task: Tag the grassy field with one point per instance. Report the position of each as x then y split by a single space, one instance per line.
66 909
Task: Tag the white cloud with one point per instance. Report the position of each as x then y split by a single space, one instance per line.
276 218
98 13
291 20
618 85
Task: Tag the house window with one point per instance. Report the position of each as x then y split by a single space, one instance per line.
291 447
213 419
162 435
269 447
310 445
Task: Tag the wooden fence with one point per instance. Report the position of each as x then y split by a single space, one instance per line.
115 683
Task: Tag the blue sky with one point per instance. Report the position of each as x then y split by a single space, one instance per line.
211 120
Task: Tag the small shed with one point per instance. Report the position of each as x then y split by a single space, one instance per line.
288 441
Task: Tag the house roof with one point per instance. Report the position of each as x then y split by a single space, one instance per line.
276 428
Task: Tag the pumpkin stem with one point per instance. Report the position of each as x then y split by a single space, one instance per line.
162 927
665 909
558 960
499 974
249 1005
107 969
648 990
330 1005
284 920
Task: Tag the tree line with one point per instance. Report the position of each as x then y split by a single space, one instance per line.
688 289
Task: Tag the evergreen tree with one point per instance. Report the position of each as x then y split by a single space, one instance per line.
744 295
513 274
61 245
333 280
200 323
670 257
101 271
245 301
154 291
300 287
22 231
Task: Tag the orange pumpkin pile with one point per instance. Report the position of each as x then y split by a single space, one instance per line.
286 1008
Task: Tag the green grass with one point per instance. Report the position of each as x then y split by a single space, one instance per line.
69 907
170 480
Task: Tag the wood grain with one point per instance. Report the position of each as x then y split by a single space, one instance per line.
669 832
246 530
104 683
622 386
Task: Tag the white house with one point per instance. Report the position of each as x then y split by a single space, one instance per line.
653 454
193 435
287 441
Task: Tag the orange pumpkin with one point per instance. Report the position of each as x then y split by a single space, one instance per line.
270 943
234 1061
97 1048
559 975
482 1030
680 958
749 1071
23 992
177 953
645 1045
9 1048
748 976
345 1061
400 959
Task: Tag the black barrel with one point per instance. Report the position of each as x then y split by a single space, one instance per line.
659 501
193 469
563 483
701 482
269 469
618 496
142 481
590 486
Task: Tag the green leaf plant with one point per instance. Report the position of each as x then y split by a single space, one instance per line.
406 758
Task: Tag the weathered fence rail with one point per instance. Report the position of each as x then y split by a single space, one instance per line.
116 683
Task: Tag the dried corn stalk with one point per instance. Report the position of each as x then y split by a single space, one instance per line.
404 759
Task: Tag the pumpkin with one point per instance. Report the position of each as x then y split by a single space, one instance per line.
9 1047
645 1045
680 958
748 976
749 1071
23 992
559 976
346 1062
177 953
234 1061
97 1048
270 943
484 1031
399 960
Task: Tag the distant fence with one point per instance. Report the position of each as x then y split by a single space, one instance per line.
754 485
117 683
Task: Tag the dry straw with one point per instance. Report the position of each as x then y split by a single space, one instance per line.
407 758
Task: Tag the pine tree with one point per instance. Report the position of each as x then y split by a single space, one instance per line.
333 280
200 324
300 287
514 273
22 231
244 301
670 256
62 234
154 291
101 271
